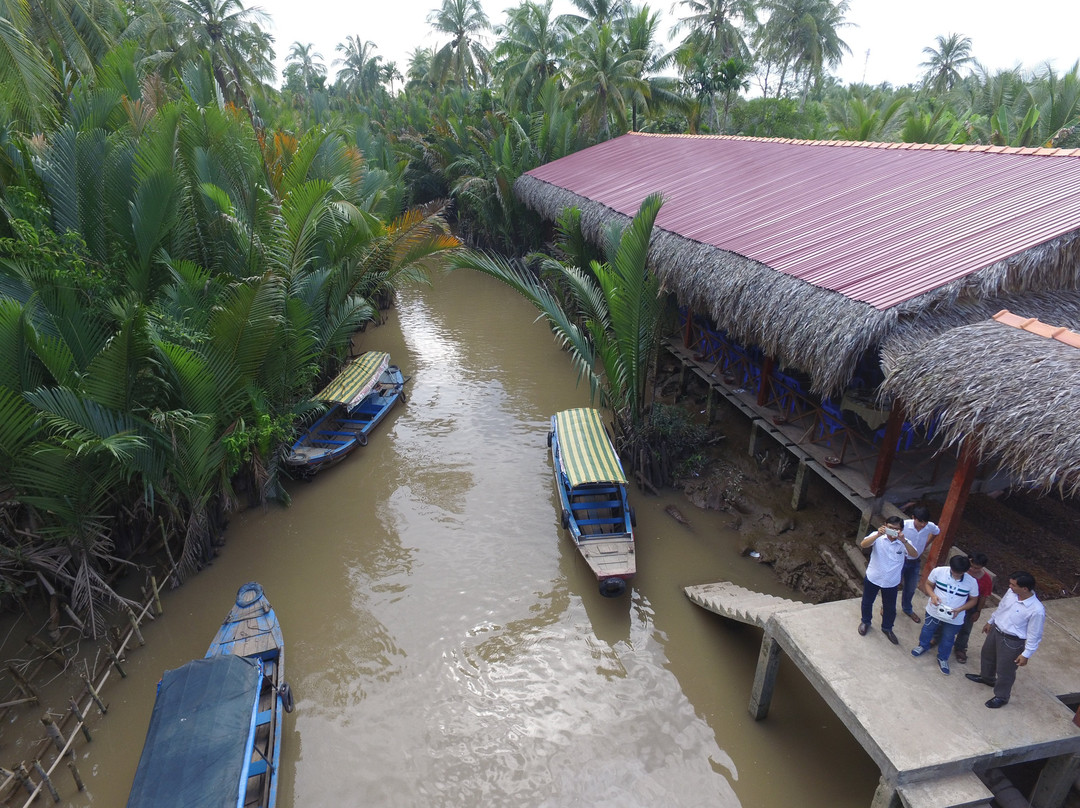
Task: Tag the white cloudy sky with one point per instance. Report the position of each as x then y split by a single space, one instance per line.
886 37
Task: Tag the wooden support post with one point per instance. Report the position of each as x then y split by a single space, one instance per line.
135 626
22 684
765 677
116 662
50 652
53 731
953 508
710 407
54 618
94 694
766 381
688 331
683 375
82 719
46 781
17 775
802 480
23 776
74 618
755 437
17 702
887 451
157 592
75 774
1055 780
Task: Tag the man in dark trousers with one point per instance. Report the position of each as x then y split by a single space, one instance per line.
1013 633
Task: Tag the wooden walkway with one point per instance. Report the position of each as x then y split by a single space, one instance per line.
887 699
916 474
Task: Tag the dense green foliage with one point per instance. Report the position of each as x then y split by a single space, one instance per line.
186 251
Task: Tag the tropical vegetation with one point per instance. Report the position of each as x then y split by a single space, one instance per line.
188 242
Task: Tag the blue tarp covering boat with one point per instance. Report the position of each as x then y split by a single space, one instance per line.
214 736
197 748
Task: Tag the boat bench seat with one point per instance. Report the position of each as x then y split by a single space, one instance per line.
586 506
608 521
256 768
332 434
263 718
591 491
325 441
354 421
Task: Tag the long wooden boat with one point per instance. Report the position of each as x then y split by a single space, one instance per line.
215 732
592 492
359 398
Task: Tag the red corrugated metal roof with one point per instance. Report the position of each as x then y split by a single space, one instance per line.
877 222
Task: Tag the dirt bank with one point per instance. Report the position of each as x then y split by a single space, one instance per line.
1017 531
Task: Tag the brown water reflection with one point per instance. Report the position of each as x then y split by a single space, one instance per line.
447 647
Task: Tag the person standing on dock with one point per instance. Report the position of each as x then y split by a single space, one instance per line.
917 530
889 548
971 616
1013 633
951 592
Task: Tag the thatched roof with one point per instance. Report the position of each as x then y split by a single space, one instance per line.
820 331
1013 394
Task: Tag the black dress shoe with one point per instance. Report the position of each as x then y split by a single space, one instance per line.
892 637
862 629
976 678
995 702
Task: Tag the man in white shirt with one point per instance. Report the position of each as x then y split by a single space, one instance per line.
1014 632
918 530
950 592
889 548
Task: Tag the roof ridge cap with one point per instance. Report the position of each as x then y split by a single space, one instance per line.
1033 325
1035 151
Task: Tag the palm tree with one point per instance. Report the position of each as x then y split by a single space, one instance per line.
360 69
531 48
596 13
802 36
714 27
944 62
310 63
612 334
389 73
464 59
604 79
240 51
25 73
641 29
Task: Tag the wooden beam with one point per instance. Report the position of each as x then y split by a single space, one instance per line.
687 332
765 383
953 509
887 451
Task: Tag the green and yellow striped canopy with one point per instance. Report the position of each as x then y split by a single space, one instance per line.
587 454
357 380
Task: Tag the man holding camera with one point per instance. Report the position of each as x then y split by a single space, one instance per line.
951 592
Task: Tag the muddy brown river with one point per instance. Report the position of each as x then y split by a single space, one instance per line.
445 644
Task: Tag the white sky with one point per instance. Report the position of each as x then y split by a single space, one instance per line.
1003 34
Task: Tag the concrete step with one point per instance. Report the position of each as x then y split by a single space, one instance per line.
737 603
955 791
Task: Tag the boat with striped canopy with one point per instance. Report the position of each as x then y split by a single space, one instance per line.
359 398
592 491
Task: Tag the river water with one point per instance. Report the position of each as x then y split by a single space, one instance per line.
445 644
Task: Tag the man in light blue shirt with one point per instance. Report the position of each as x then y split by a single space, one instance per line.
1014 632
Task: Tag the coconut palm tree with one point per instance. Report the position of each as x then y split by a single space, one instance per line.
232 37
25 73
641 33
604 79
714 28
463 59
802 36
309 61
943 65
531 48
360 71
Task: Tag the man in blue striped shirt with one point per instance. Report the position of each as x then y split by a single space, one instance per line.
1014 632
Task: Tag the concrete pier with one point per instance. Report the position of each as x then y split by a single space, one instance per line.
930 734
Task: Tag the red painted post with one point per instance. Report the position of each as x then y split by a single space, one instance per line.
953 509
887 451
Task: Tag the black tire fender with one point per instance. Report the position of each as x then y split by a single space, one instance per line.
285 691
565 518
633 517
361 439
550 436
